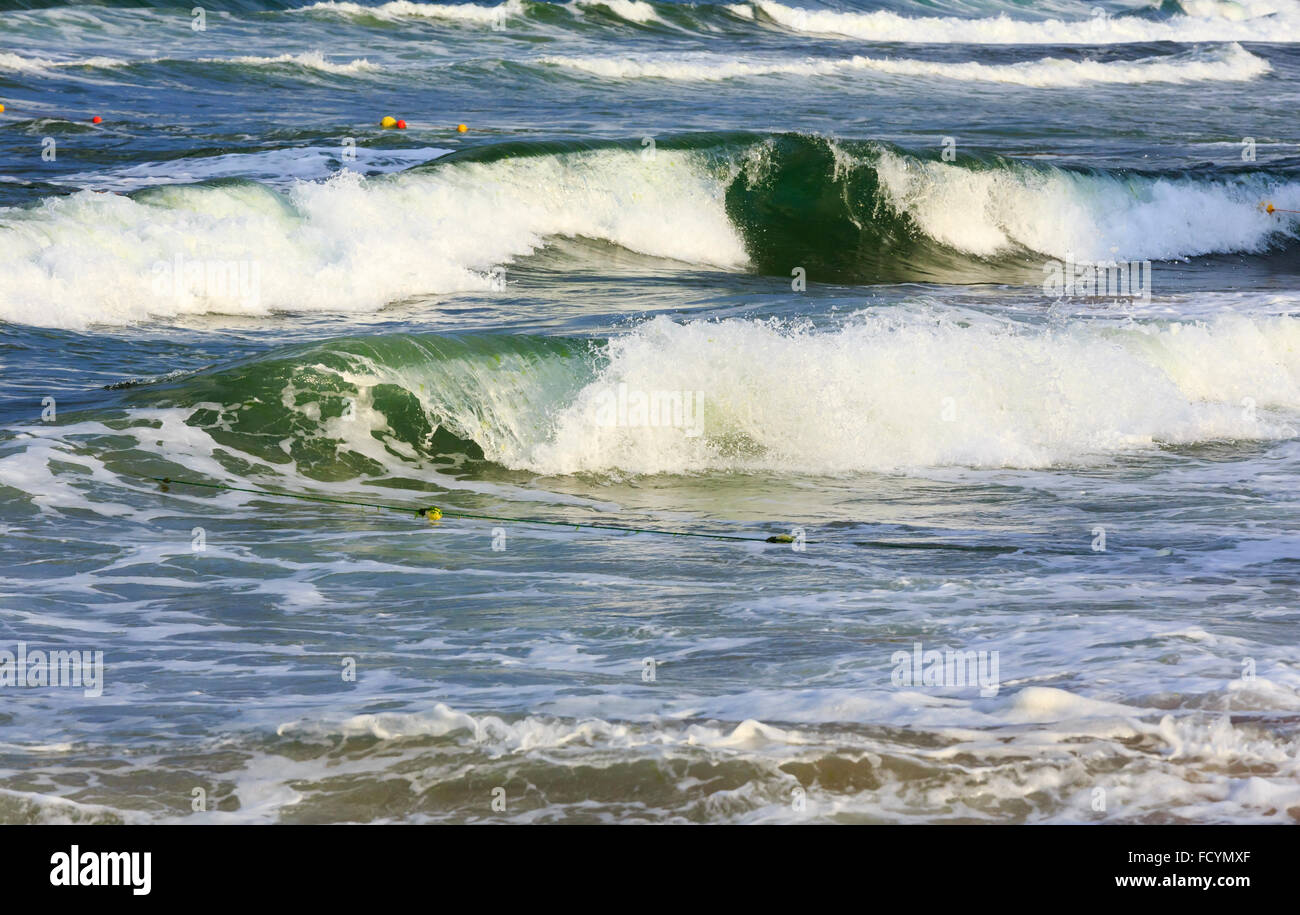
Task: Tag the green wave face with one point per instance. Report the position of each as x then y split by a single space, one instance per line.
810 203
360 406
796 201
869 212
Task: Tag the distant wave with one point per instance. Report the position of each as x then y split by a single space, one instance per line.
465 12
1227 63
989 22
311 60
308 60
283 167
1232 63
1274 22
637 11
41 65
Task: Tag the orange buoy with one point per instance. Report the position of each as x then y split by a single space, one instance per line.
461 128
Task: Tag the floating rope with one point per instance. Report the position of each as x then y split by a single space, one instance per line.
433 513
1269 208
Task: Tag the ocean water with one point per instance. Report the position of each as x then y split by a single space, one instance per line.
820 270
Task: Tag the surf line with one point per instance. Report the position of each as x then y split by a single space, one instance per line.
433 513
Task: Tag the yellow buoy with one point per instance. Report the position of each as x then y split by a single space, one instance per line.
1269 208
461 128
2 107
388 121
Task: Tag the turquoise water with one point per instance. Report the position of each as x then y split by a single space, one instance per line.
752 270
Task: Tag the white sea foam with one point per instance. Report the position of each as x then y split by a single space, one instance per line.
1055 745
1091 218
282 166
1273 22
43 66
1230 64
637 11
350 244
463 12
895 391
310 60
632 10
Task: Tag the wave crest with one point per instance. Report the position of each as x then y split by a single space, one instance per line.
1230 64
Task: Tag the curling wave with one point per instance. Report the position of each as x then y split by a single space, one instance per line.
891 389
844 211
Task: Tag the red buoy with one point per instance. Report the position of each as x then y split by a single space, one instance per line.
401 125
96 119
